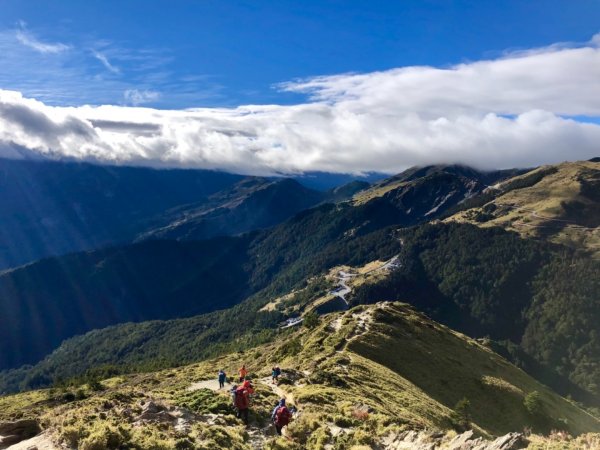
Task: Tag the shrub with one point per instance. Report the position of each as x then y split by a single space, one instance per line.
311 320
95 441
205 401
461 416
68 397
533 403
301 429
184 444
327 377
285 381
95 385
70 435
343 421
290 348
361 437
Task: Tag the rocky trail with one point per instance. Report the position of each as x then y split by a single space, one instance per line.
258 435
213 385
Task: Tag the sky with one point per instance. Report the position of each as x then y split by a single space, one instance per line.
265 87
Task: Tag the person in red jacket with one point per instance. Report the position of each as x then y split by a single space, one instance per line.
241 402
281 416
248 386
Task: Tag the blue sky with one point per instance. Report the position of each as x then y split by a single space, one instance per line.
178 54
269 87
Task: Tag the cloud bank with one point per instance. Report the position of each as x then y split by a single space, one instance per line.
527 108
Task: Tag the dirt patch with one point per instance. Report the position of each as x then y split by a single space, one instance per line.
213 385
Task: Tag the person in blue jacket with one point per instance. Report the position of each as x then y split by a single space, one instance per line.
222 378
281 416
275 372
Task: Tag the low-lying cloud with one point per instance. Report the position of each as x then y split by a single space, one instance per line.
526 108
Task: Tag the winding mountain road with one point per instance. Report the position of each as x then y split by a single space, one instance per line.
342 289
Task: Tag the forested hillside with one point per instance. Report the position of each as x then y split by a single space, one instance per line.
51 208
163 280
490 283
478 281
251 204
534 301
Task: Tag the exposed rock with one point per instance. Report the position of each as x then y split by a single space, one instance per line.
14 432
464 441
180 418
152 412
409 440
424 440
511 441
40 442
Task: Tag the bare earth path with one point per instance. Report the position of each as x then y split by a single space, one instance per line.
258 435
213 385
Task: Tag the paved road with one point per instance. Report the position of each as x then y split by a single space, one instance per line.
342 289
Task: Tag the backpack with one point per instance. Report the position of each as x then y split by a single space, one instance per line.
282 416
240 400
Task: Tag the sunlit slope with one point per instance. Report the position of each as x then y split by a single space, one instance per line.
449 366
370 372
560 202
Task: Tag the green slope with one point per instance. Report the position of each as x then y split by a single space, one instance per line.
558 203
357 378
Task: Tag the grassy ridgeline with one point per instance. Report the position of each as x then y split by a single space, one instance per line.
373 372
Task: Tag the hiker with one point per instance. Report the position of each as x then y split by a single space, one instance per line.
281 416
275 372
247 384
222 378
243 372
241 402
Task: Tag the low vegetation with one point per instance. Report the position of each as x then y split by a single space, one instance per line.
347 385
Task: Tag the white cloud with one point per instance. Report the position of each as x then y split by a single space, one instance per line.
29 40
512 111
138 97
105 62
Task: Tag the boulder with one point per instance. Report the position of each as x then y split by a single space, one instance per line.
15 432
510 441
152 412
426 440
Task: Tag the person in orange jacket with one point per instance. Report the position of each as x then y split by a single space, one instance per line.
243 373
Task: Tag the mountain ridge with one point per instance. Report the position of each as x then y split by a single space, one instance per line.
558 203
77 277
344 375
52 208
281 260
